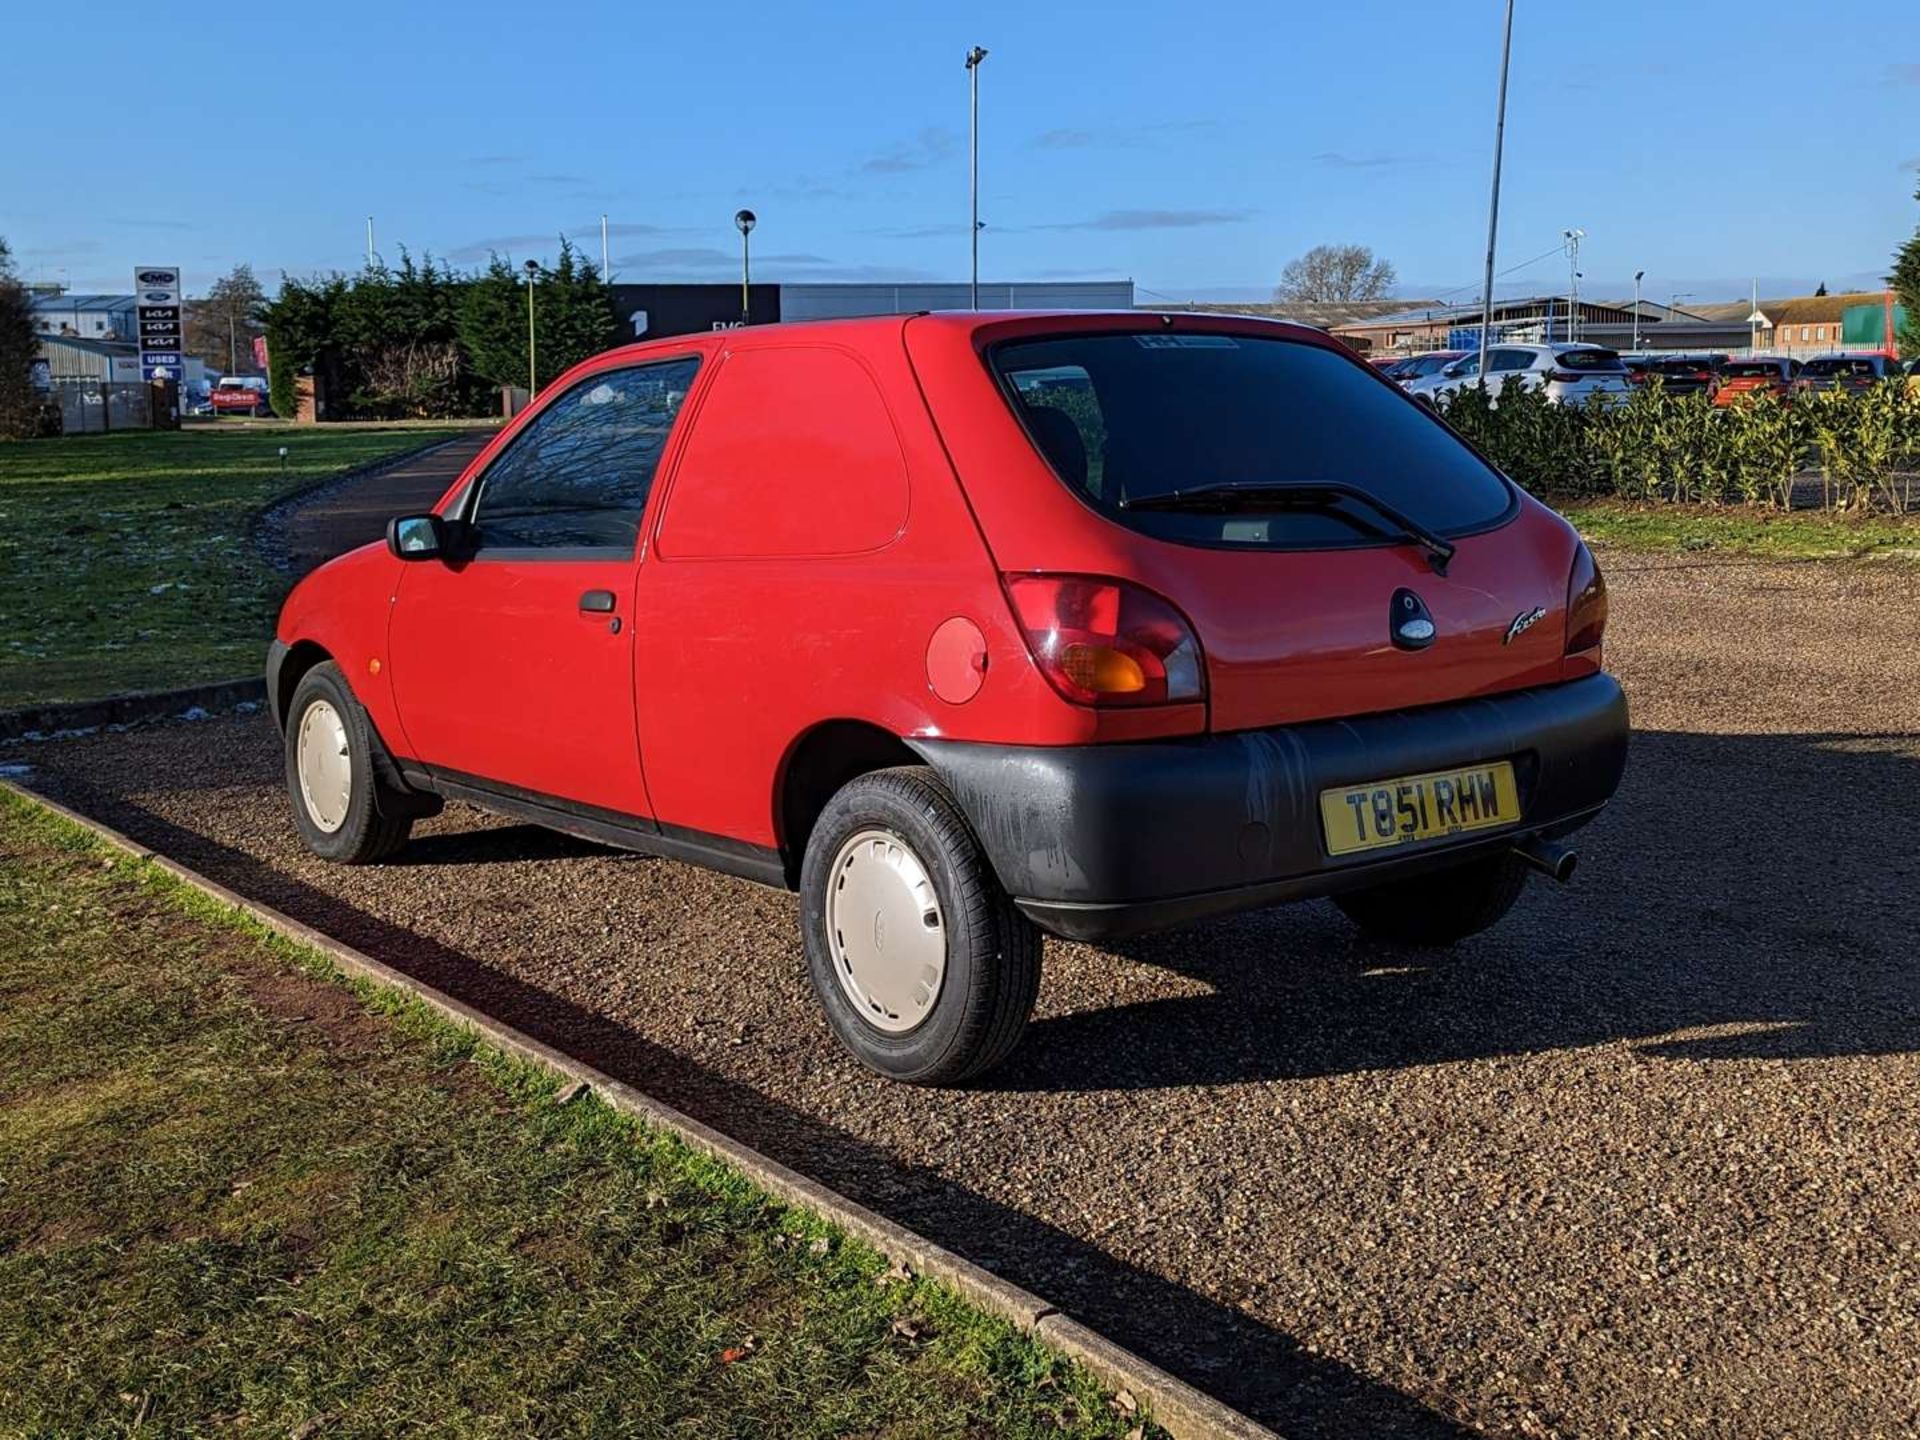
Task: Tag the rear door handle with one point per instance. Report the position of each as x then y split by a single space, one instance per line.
597 602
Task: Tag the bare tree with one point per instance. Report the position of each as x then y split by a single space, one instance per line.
221 324
1335 272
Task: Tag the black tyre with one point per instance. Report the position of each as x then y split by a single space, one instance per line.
1441 907
926 970
330 777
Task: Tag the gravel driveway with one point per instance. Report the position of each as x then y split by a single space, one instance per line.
1642 1161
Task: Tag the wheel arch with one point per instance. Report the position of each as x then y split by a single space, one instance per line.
824 758
286 670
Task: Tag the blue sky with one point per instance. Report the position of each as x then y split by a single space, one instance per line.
1193 147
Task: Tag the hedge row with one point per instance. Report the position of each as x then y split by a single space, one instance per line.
1843 450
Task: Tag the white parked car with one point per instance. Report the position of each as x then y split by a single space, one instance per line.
1569 374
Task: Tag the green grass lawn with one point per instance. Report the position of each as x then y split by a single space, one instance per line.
1744 530
240 1194
125 560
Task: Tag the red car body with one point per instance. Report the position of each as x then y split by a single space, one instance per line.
1760 375
229 399
855 554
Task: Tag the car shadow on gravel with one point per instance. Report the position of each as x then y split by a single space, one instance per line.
1262 1372
498 845
1757 888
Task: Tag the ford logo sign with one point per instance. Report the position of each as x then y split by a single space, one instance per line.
157 297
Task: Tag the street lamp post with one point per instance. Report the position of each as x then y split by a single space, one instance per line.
974 57
533 375
1638 275
1493 205
744 221
1573 238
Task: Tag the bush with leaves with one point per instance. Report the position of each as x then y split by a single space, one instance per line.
22 412
572 318
1653 446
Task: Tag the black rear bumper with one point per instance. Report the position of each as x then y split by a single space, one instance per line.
1099 841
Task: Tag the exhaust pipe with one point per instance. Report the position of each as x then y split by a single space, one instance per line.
1549 857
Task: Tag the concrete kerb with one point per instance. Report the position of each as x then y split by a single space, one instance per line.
71 717
1184 1411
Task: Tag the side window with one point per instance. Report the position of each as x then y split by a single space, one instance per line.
577 478
795 454
1063 415
1511 360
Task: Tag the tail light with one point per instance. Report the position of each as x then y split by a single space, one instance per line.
1586 603
1565 377
1106 642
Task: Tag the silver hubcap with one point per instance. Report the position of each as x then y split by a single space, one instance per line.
326 770
883 923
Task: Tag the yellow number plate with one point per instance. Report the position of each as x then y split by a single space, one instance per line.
1418 807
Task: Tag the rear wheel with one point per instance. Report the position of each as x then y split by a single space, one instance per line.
330 777
1441 907
926 970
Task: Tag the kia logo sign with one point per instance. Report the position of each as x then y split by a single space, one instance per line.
158 277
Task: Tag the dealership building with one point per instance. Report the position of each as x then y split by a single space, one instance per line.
648 312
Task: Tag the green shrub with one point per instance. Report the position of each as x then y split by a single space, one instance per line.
1653 446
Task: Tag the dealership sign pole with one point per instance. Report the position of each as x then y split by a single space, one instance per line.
156 297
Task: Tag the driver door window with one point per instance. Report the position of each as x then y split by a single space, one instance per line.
576 481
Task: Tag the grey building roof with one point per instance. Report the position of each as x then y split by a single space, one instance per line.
82 302
1324 315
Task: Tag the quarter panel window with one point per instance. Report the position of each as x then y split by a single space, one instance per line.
578 477
794 454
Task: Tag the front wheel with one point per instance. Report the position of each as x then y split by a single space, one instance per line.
1440 907
926 970
330 775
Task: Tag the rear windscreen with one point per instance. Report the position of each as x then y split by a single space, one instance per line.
1122 417
1598 360
1838 365
1744 369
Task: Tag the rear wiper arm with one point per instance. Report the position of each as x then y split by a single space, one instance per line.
1322 495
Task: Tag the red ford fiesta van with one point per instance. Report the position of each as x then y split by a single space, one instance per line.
969 627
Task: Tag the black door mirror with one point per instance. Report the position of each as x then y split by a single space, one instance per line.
416 537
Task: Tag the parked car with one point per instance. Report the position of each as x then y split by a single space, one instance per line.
1844 372
239 395
1757 375
1568 373
1678 374
1418 367
970 627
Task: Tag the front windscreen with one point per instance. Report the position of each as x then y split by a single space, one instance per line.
1123 418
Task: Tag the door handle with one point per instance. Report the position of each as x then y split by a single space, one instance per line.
597 602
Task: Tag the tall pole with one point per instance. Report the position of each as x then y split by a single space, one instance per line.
974 57
1573 238
1637 275
369 242
1493 204
605 274
744 221
533 374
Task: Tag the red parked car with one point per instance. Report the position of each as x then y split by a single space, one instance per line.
239 395
1760 375
969 627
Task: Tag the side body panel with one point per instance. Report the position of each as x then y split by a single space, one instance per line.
813 603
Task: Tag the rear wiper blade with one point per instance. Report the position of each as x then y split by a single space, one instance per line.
1321 495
